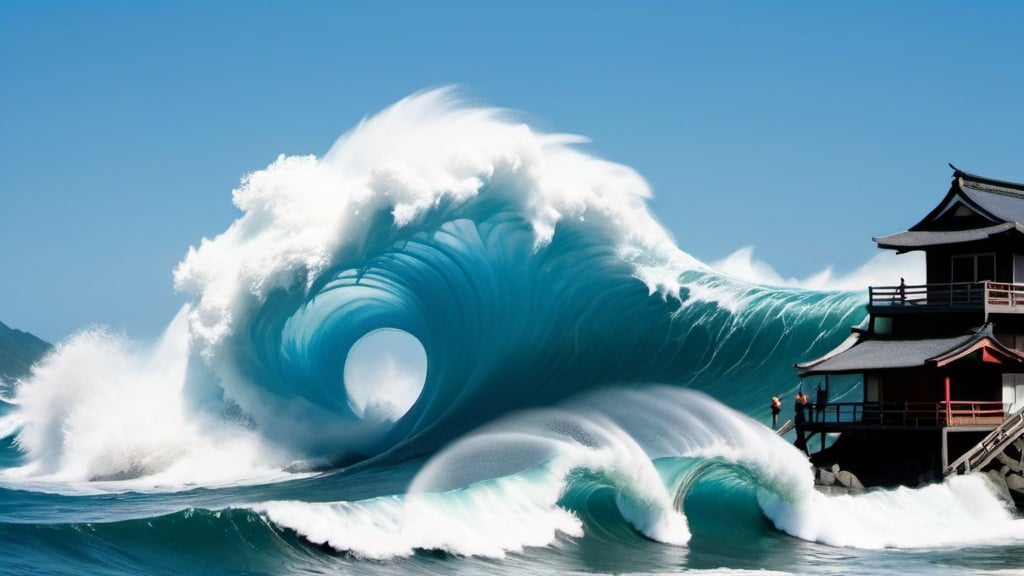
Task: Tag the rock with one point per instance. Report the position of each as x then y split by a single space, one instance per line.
848 480
825 477
1015 482
1000 483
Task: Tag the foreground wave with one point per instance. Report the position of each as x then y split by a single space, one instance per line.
621 463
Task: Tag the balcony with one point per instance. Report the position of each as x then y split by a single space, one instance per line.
838 416
988 297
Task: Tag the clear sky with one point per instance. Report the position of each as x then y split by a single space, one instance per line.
800 128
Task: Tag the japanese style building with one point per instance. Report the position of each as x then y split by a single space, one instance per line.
940 364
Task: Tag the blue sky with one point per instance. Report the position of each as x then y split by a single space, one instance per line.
801 128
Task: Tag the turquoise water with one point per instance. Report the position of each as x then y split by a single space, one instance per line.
593 400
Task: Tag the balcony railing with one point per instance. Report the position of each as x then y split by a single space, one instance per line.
998 297
967 413
908 414
1004 298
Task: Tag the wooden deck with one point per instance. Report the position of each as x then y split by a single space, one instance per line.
988 297
840 416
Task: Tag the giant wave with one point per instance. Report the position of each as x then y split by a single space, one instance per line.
528 270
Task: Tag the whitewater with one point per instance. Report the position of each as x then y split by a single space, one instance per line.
455 344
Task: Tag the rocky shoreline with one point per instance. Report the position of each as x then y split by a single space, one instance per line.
834 480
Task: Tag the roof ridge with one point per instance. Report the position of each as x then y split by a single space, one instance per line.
987 184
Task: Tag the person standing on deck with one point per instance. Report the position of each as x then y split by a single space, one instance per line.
776 408
820 401
799 404
798 418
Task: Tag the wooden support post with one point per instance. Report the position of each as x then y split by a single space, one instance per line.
949 408
945 447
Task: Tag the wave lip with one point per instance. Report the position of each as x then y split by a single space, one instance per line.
426 154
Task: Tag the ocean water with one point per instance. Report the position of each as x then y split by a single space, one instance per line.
455 345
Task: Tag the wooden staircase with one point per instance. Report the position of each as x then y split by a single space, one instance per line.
1011 430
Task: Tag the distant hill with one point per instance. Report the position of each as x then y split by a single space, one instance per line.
18 351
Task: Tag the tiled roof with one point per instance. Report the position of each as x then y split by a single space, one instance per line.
996 207
864 354
922 238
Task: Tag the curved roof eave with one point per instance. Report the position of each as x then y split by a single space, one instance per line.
920 239
983 339
859 355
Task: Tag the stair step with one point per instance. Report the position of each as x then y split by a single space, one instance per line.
1009 432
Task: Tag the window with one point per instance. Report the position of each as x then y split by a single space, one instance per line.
963 269
872 388
974 267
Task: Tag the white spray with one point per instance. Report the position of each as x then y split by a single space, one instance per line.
102 408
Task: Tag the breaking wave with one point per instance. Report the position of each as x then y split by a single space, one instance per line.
527 270
623 463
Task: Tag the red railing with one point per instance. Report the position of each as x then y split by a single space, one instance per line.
909 414
964 412
1003 297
